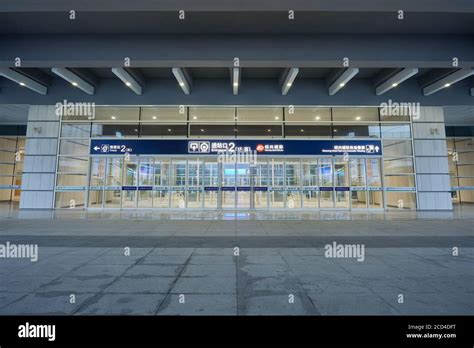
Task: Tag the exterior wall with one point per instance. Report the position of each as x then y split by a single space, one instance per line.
40 158
432 169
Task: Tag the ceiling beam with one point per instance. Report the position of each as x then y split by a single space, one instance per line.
74 79
472 92
235 79
342 80
184 79
287 79
395 80
23 80
447 81
128 79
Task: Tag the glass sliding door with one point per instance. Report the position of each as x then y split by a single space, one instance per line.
374 183
195 180
293 183
178 184
260 184
243 178
97 181
326 188
341 179
310 183
277 183
161 181
130 181
113 183
358 183
211 184
228 186
145 182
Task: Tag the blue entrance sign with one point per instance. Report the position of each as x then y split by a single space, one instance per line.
214 147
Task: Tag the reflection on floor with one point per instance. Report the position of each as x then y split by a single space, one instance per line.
465 211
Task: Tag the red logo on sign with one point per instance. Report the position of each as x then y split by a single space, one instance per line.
260 148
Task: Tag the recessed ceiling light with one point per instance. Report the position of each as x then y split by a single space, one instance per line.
181 84
113 117
154 117
136 130
317 117
128 84
394 84
22 84
194 117
288 84
447 85
301 130
74 84
236 84
277 118
342 84
269 130
202 129
335 130
169 129
358 118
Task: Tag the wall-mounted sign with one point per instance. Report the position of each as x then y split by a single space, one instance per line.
215 147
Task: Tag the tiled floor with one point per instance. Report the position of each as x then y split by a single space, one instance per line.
192 267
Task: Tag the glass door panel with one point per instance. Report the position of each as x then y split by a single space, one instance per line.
243 178
130 181
97 181
178 184
341 179
211 184
277 183
358 183
195 180
146 175
161 181
260 184
113 183
326 189
228 185
374 183
293 183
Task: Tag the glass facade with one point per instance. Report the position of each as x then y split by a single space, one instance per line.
274 182
461 168
12 150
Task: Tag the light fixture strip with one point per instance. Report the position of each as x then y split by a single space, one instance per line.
342 80
74 80
395 80
183 80
23 80
288 79
448 81
128 79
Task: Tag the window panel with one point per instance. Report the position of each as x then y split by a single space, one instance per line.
259 130
73 164
308 115
115 114
205 130
173 114
396 131
148 130
308 131
398 166
115 130
397 148
260 114
74 147
75 130
211 115
365 131
356 115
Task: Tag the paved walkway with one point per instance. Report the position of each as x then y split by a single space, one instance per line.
190 267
